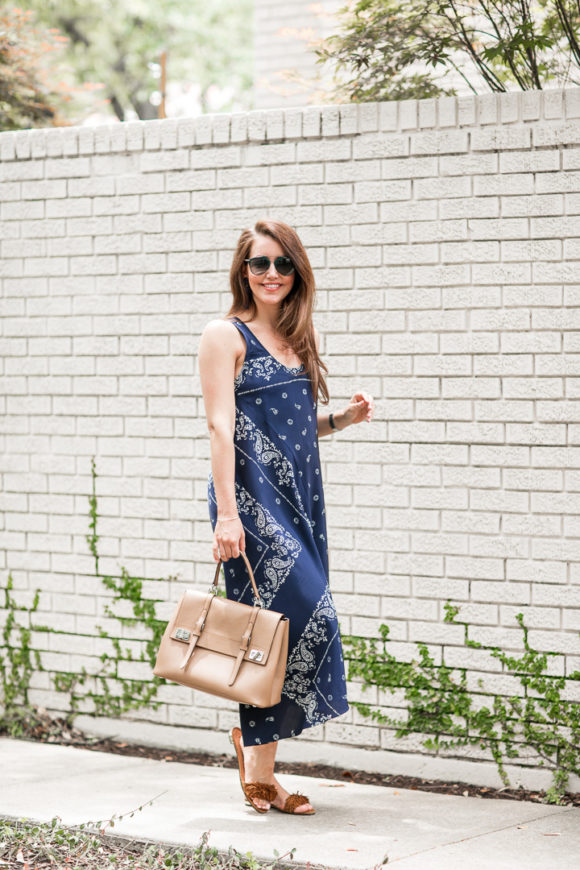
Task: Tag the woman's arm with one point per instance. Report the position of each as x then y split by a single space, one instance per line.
324 428
217 356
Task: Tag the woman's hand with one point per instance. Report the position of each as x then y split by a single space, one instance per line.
361 407
228 539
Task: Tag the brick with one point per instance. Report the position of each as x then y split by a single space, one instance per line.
408 114
552 641
368 146
472 207
447 111
558 182
261 155
388 116
439 142
468 164
348 119
553 104
510 104
330 116
293 123
409 167
531 105
367 117
427 113
488 108
322 150
216 157
379 191
572 103
311 122
43 189
166 160
441 188
466 111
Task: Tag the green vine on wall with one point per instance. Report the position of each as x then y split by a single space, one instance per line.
114 694
440 705
128 694
17 664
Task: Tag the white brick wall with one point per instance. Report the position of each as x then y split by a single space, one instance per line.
444 236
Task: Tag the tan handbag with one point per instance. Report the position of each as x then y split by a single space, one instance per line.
226 648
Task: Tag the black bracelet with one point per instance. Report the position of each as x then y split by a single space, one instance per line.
331 423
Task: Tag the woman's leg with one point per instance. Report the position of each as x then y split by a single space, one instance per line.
259 764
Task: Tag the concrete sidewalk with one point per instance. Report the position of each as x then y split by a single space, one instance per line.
355 826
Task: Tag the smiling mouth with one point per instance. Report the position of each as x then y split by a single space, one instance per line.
271 286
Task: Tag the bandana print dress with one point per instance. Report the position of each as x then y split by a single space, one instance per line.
280 502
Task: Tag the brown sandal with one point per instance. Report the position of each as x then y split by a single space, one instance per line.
292 802
252 790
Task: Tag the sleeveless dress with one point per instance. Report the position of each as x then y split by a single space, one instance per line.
280 501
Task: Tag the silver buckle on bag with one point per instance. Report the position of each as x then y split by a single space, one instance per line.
182 634
256 655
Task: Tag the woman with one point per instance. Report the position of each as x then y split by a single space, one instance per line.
260 376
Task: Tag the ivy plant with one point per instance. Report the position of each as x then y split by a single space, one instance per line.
110 694
440 706
18 662
114 694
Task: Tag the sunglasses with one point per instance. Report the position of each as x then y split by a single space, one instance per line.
260 265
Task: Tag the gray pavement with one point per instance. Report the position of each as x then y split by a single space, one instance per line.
355 826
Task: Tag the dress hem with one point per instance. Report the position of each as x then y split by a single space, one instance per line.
305 727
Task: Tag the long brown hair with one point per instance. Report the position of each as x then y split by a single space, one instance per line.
294 324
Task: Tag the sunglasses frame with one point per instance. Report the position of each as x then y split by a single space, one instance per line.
270 263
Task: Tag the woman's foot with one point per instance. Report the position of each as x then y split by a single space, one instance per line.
280 801
259 766
258 794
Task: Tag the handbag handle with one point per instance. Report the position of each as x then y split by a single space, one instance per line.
214 585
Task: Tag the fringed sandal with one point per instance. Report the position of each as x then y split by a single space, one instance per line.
293 801
252 790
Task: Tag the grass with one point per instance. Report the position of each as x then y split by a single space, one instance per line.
28 845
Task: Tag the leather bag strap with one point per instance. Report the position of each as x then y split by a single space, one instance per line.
244 644
250 572
197 630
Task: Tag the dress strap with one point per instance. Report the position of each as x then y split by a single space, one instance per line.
241 326
252 346
245 330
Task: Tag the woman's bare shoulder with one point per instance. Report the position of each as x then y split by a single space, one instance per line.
221 332
220 325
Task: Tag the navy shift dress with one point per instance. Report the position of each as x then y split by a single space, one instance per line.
280 502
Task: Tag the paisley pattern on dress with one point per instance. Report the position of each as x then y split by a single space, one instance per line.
298 684
281 548
280 501
267 453
262 367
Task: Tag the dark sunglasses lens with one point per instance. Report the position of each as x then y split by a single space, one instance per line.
259 265
284 265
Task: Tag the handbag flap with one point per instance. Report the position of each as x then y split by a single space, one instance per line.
225 625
